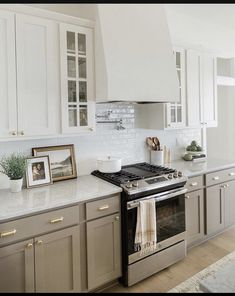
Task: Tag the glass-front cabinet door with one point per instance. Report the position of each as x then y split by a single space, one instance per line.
77 82
176 111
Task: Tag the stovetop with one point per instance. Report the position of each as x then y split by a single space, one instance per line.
140 177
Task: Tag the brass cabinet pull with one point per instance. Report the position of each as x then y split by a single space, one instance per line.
216 178
194 184
13 133
22 133
57 220
224 186
8 233
39 242
29 246
104 207
231 174
187 196
117 218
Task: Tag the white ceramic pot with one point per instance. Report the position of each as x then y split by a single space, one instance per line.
109 164
16 185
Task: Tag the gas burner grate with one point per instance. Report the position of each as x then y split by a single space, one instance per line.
157 169
116 178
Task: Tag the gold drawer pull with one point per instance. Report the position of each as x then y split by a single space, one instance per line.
231 174
8 233
194 184
104 207
29 246
57 220
216 178
39 242
187 196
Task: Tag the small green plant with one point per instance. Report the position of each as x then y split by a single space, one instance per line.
14 166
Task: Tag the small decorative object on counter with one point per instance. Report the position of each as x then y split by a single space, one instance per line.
194 152
14 166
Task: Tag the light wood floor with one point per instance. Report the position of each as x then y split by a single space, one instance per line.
197 258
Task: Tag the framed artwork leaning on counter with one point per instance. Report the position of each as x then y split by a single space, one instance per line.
62 161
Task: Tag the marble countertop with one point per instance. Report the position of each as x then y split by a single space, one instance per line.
59 194
192 169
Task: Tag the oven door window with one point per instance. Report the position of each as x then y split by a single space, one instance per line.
170 220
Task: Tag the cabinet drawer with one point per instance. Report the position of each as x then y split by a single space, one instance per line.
220 176
194 183
102 207
38 224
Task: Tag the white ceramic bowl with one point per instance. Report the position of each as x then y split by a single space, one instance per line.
109 164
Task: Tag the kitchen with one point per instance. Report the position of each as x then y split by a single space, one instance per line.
104 89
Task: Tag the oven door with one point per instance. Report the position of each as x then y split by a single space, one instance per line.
170 222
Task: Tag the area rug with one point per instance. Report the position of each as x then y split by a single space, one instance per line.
191 285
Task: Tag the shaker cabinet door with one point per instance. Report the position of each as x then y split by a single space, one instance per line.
103 250
8 112
57 261
17 268
37 75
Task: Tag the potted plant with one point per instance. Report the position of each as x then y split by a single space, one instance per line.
14 166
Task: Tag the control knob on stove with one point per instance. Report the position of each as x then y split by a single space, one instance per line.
175 175
128 184
135 183
170 176
180 174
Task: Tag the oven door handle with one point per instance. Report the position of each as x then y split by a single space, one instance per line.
157 197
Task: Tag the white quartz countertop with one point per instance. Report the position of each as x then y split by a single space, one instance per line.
192 169
59 194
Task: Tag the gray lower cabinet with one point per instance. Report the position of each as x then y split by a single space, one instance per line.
49 263
57 261
17 267
215 212
194 205
103 250
229 203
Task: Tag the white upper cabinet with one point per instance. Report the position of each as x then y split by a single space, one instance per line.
201 89
8 113
36 75
77 79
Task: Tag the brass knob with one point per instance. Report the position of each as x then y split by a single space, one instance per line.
117 218
29 246
13 133
187 196
39 242
22 133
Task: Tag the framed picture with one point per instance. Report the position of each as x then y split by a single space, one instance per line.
38 172
62 161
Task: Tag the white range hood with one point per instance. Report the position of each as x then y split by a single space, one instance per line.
134 58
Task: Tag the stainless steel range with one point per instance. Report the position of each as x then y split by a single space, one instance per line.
143 181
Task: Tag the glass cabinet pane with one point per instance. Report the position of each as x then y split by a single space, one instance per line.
173 114
71 42
81 44
178 63
82 67
179 77
179 113
83 115
73 117
71 65
72 93
82 91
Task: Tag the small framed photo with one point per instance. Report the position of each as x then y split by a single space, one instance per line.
38 172
62 161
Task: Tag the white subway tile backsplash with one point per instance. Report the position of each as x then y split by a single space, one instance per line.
129 144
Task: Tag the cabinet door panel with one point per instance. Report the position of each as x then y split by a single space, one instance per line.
209 91
230 204
194 80
57 261
8 112
103 251
17 267
215 209
194 216
36 40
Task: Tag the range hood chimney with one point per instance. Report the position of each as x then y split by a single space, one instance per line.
134 59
